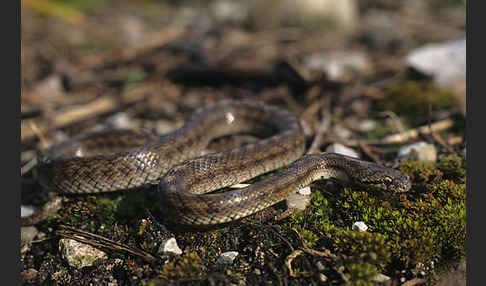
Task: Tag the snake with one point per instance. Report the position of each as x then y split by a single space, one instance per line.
187 180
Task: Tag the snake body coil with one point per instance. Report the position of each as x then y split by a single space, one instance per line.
118 160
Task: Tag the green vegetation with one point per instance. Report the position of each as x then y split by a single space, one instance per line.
413 98
187 266
406 231
425 225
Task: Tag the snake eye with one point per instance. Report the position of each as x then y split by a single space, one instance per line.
388 180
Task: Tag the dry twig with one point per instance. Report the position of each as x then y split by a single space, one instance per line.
31 128
100 241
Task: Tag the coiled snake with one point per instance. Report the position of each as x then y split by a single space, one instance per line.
118 160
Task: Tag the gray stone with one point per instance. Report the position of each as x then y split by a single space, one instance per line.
79 255
341 149
227 257
27 234
298 202
421 151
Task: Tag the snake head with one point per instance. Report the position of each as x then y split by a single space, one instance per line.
383 179
371 175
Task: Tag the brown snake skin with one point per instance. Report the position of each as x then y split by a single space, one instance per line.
118 160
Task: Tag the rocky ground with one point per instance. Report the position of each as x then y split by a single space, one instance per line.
382 81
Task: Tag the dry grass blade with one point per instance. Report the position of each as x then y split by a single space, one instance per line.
31 128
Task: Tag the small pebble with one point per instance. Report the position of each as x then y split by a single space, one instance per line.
420 151
359 226
121 121
341 149
298 201
366 125
381 278
27 234
320 266
79 255
322 277
169 246
305 191
26 210
227 257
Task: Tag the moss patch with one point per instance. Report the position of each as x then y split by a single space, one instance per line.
428 224
413 98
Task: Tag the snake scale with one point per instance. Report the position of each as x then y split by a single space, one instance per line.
119 160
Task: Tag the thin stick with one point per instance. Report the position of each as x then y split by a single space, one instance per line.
100 241
321 131
406 136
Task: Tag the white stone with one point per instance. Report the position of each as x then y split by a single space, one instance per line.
227 257
79 255
366 125
322 277
298 201
338 66
359 226
381 278
320 266
341 149
121 120
444 61
169 246
305 191
421 151
26 210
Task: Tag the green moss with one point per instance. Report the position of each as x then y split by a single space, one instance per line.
187 266
413 98
426 224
